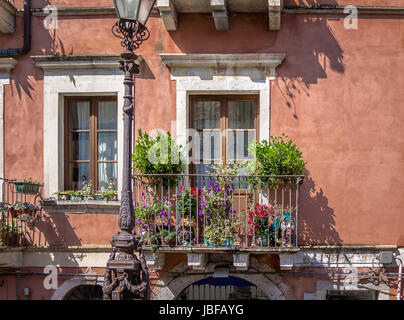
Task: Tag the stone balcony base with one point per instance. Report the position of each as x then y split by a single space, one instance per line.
197 258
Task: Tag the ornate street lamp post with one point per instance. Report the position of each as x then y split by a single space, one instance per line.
126 275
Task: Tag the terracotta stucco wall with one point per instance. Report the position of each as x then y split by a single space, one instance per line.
337 95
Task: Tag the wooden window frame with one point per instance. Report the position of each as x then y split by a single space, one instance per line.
93 132
224 119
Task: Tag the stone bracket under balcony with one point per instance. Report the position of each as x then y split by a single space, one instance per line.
241 261
197 261
155 261
7 17
220 9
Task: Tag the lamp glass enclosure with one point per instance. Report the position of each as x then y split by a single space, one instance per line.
135 10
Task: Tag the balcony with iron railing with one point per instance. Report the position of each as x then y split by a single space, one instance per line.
212 211
19 210
178 212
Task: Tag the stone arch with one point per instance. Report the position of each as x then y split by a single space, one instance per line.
271 284
69 285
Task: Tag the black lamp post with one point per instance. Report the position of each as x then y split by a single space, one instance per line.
126 275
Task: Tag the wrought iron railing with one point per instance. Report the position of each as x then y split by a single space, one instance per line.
18 213
217 211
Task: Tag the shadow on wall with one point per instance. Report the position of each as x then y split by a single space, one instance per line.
45 41
56 230
308 41
303 67
316 218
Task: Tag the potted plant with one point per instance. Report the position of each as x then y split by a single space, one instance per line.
63 195
158 156
152 214
16 209
72 195
186 202
162 237
87 191
276 157
75 195
107 195
11 233
170 238
221 222
220 234
27 186
284 225
261 218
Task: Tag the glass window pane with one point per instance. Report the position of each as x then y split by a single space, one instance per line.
207 115
107 115
81 146
107 146
107 173
80 175
237 144
241 114
209 144
80 115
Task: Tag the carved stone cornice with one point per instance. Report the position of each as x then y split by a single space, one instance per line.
256 60
56 62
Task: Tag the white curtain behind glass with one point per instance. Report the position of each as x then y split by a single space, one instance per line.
207 123
80 115
241 130
107 143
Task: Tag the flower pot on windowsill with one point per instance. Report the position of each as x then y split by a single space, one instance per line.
105 198
76 198
63 196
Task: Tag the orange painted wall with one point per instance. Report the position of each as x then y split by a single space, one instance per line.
338 95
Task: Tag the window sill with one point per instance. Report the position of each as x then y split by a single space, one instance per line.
84 206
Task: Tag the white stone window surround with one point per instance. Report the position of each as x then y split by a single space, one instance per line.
6 65
222 74
75 76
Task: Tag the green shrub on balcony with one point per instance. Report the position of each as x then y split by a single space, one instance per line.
158 156
11 233
276 157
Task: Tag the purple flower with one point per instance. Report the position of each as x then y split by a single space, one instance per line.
139 220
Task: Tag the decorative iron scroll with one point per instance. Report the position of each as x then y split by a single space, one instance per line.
132 33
